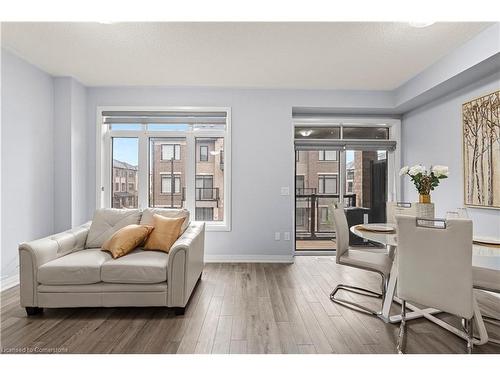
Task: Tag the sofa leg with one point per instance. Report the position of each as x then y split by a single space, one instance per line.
30 311
179 310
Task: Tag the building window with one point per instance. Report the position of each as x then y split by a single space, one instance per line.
327 184
203 153
324 217
169 152
177 159
205 187
299 184
349 187
204 213
297 156
327 155
166 184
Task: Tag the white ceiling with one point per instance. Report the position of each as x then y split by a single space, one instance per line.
337 55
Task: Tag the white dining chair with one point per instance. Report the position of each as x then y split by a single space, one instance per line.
435 270
397 208
488 280
370 261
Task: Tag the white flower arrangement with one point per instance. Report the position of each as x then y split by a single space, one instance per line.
422 179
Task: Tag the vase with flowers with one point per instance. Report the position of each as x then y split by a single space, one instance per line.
425 180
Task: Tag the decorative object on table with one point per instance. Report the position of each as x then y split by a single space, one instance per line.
424 180
481 151
423 210
377 228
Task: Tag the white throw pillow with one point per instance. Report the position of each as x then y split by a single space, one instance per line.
107 221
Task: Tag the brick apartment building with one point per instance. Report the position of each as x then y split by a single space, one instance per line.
318 174
168 177
124 184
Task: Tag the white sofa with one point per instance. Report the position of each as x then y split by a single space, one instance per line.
69 269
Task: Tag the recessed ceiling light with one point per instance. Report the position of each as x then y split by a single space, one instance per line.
306 133
106 22
420 24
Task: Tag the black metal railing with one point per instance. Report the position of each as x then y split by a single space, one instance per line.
313 212
207 194
305 191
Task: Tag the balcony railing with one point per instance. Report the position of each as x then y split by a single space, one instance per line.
305 191
207 194
312 221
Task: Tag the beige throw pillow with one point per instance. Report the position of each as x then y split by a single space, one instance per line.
126 239
166 231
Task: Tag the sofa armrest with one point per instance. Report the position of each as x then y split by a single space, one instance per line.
185 264
35 253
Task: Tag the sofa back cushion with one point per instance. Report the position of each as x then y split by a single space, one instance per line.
172 213
107 221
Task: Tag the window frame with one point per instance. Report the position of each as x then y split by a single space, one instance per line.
177 177
329 176
200 153
322 156
104 137
176 146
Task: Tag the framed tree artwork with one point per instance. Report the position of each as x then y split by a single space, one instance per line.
481 151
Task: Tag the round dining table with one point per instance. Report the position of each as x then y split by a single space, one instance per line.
483 256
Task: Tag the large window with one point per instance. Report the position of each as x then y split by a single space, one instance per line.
169 158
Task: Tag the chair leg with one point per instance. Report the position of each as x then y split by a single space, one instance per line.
361 291
402 330
469 328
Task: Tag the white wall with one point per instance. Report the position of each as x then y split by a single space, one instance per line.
27 163
79 205
262 155
70 143
432 134
62 153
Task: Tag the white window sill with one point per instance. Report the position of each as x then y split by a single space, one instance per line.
217 227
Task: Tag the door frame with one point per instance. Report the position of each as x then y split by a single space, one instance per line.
394 181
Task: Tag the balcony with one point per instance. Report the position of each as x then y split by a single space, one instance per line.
314 224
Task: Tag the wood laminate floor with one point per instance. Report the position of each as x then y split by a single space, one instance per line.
238 308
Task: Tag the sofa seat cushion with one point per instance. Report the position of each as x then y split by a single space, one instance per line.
137 267
80 267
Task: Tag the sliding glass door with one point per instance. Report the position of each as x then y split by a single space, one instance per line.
345 164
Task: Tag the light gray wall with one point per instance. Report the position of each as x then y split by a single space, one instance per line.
433 135
27 163
262 155
62 154
70 145
79 124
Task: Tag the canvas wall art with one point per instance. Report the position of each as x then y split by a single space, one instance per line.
481 151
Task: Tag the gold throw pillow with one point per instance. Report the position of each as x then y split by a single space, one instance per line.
166 231
126 239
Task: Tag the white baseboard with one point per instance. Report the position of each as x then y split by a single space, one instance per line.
249 258
9 282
